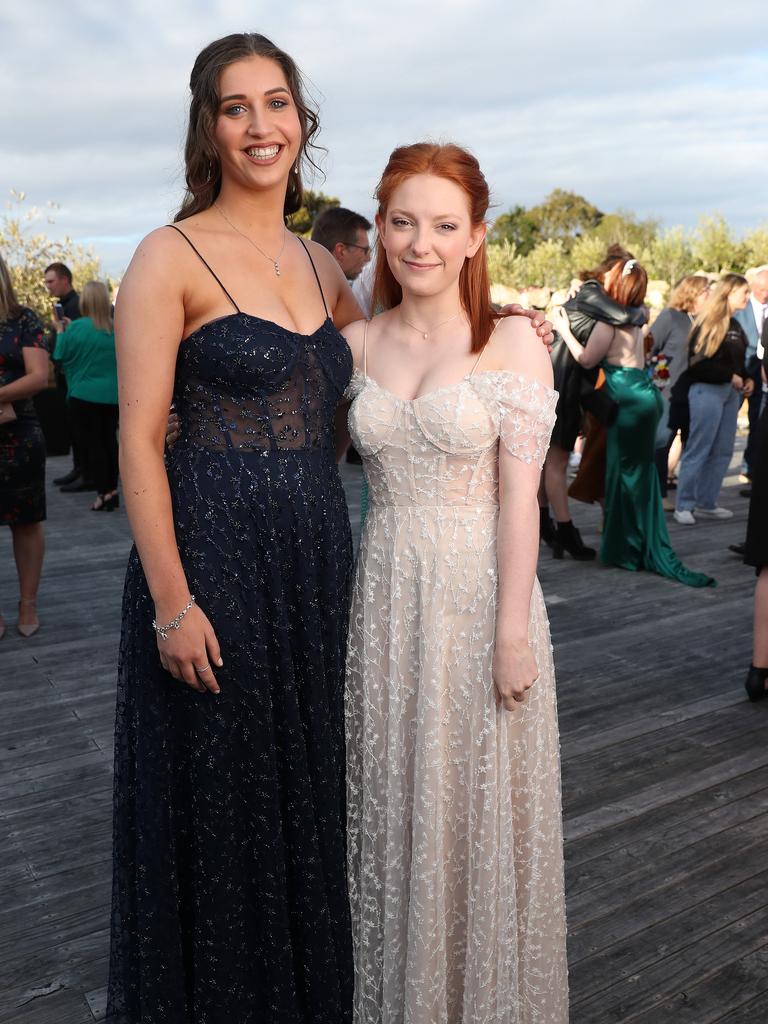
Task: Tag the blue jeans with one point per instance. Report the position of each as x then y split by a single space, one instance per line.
714 411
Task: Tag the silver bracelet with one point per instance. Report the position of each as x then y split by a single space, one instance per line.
162 631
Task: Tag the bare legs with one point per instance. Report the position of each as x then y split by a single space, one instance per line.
556 482
760 632
28 551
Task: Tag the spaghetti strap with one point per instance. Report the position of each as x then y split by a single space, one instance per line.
205 264
365 348
314 268
485 346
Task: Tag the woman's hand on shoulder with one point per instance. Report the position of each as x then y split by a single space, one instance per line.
517 347
542 326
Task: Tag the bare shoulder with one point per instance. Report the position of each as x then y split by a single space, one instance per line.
515 346
157 256
354 334
324 262
155 280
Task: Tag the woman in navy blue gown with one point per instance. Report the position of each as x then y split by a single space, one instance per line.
230 897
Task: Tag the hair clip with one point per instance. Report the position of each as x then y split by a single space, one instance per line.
628 267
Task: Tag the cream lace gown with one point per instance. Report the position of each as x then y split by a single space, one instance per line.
455 842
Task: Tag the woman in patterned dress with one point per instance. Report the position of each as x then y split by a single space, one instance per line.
453 786
23 372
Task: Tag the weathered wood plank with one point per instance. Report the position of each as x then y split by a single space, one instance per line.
663 778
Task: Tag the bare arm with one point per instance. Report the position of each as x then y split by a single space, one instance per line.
597 346
149 323
35 376
514 667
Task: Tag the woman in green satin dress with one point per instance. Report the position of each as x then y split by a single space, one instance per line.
635 532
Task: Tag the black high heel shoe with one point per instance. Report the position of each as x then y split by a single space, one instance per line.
546 527
106 503
755 683
567 538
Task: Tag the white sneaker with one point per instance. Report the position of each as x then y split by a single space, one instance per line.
715 513
684 516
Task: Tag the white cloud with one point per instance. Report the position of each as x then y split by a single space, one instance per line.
658 108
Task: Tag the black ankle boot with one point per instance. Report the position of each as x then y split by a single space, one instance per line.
546 526
755 682
568 538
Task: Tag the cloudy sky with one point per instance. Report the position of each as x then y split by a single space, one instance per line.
658 106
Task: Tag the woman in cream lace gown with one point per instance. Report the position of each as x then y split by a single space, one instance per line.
455 844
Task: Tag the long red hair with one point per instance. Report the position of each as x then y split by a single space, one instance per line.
457 165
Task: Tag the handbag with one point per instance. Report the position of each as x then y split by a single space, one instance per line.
7 413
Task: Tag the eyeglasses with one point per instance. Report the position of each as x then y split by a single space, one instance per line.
353 245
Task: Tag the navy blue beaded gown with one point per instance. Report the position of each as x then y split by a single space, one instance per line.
230 898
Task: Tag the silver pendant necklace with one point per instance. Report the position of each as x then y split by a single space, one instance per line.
425 334
276 261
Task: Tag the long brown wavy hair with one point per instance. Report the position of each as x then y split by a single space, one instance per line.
457 165
202 163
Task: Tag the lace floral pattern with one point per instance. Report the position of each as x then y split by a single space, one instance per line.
454 819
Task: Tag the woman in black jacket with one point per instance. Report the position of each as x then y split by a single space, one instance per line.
576 388
717 386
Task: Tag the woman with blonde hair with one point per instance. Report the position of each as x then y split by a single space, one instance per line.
23 372
671 330
716 370
86 350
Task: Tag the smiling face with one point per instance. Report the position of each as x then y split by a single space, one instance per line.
258 132
427 234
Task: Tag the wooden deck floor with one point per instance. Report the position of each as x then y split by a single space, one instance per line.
664 778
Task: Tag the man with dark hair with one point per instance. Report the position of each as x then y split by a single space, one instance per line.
58 281
344 234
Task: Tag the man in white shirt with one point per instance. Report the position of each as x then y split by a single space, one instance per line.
754 320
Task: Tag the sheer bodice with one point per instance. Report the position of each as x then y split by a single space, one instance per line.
277 389
441 449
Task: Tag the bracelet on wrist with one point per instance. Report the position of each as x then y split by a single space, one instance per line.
162 631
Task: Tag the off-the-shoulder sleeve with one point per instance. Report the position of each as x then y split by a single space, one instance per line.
355 386
524 410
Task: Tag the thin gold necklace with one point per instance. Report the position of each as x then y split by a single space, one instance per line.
275 262
425 334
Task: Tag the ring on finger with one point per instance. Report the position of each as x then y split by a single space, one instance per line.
205 668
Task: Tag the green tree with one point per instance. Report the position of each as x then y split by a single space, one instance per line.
756 247
28 250
548 265
669 256
505 265
587 252
714 247
563 216
623 228
518 227
301 221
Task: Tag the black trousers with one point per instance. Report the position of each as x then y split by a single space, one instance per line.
753 407
96 423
